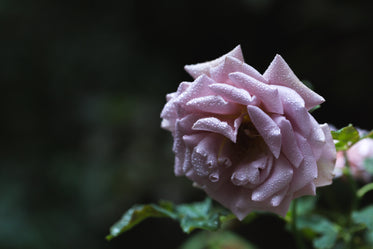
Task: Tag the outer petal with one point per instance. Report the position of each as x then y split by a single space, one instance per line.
185 124
180 147
266 93
168 124
231 93
316 138
169 112
309 189
279 73
220 72
199 88
196 70
180 154
307 171
267 128
212 104
326 163
295 110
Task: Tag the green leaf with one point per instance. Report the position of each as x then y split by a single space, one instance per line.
369 237
327 230
198 215
135 215
364 216
345 137
216 240
305 205
201 215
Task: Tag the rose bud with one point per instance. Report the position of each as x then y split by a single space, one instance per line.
356 156
248 139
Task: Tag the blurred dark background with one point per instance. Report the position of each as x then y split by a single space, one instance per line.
83 83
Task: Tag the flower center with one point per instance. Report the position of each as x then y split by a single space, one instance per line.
248 138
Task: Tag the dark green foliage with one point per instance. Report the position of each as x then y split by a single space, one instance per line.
327 231
216 240
364 216
191 216
345 137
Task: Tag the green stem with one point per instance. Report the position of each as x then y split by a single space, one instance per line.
354 201
365 189
352 181
298 239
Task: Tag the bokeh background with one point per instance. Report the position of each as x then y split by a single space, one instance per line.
83 82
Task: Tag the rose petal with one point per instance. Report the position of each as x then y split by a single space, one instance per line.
171 97
236 124
267 169
283 208
316 138
182 143
289 144
193 140
340 163
220 72
360 151
309 189
281 176
242 205
187 165
168 124
215 125
295 110
267 128
279 73
212 104
204 156
252 72
266 93
326 163
279 196
185 124
249 171
178 166
199 88
232 93
196 70
230 65
307 171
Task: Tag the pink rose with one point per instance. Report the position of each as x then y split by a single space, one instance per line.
356 156
248 139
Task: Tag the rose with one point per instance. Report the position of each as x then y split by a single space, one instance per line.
356 156
248 139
